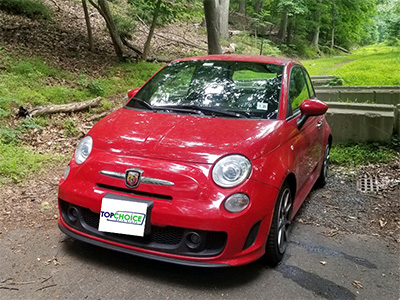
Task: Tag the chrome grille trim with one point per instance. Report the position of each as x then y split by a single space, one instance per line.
146 180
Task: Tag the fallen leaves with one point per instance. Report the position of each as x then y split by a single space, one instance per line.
357 284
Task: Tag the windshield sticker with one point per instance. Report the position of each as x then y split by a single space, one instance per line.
262 106
208 64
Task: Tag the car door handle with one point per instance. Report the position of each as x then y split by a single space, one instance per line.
320 124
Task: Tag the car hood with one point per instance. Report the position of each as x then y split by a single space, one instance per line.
181 137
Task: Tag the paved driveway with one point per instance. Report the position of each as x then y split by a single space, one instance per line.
45 264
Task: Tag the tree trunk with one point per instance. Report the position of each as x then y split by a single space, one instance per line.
290 31
283 26
223 9
242 6
333 27
317 28
316 37
104 10
146 49
212 22
88 26
258 5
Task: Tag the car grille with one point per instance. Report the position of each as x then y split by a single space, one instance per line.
133 192
167 239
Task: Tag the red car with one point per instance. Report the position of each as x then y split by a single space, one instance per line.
205 165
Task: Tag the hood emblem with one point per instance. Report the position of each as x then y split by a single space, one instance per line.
132 177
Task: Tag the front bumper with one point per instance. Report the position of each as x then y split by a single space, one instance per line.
193 204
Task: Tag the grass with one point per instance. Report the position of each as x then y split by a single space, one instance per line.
370 65
352 154
17 162
32 82
29 8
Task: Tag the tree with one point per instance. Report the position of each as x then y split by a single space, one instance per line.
242 6
88 26
288 9
212 23
146 49
223 11
104 10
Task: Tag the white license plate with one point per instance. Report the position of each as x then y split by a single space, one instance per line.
119 215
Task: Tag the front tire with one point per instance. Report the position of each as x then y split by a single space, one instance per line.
279 232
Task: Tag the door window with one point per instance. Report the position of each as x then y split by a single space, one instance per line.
298 90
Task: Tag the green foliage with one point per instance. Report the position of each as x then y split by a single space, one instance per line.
370 65
9 136
299 48
361 154
17 162
388 21
70 128
246 44
96 87
170 11
106 105
29 8
125 25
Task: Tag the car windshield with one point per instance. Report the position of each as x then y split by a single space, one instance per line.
217 88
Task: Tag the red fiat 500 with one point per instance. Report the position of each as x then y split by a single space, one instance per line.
205 165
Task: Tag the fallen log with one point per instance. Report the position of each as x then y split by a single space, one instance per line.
341 49
98 116
60 108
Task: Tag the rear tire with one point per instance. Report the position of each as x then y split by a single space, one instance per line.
279 232
323 177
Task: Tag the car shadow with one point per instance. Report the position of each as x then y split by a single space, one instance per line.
195 277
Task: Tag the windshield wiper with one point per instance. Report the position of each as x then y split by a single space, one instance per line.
204 110
143 103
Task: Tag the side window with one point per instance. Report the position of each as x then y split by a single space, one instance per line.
298 91
309 84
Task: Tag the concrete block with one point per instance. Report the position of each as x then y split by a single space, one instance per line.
360 122
366 94
397 120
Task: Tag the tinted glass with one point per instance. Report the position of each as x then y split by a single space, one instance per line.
252 89
298 91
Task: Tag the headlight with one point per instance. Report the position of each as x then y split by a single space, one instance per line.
83 150
231 171
236 203
66 173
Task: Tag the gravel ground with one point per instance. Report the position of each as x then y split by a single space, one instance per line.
341 206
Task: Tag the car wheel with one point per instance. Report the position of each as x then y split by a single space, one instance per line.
279 233
325 167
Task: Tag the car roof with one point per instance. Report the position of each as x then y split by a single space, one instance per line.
239 57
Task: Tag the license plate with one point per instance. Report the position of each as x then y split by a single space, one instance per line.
125 215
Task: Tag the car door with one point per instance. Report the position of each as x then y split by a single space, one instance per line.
306 142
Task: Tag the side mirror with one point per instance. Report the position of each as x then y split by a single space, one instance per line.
133 92
310 107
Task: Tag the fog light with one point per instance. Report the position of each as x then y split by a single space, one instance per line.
193 240
236 202
66 173
73 214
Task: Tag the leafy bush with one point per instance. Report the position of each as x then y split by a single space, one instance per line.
361 154
125 25
33 9
96 88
